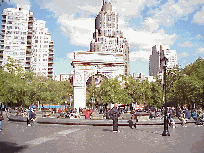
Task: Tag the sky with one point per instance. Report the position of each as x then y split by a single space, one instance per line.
144 23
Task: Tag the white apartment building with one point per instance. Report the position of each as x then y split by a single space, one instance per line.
42 53
155 66
107 37
17 40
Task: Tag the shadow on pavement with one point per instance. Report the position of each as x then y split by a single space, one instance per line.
11 147
149 131
107 130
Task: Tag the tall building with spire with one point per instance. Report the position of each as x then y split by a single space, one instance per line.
27 40
107 37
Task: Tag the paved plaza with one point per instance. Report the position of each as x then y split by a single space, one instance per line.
52 138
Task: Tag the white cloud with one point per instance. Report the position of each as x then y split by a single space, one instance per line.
70 56
200 50
146 39
199 17
181 55
183 62
172 11
142 55
24 2
90 8
151 24
131 8
84 8
79 30
186 44
198 37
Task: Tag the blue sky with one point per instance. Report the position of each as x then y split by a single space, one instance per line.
177 23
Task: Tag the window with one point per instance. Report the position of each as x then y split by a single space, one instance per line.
22 42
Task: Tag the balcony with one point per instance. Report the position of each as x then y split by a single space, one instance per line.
30 20
2 34
50 61
51 52
3 23
50 67
51 56
30 27
50 75
28 55
30 34
30 30
1 59
1 48
29 50
3 29
50 71
29 44
27 65
28 59
3 19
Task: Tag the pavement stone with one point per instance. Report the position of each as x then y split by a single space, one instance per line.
55 138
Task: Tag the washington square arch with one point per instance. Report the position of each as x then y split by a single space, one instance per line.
108 55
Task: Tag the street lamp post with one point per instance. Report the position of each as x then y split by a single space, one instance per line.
70 99
165 132
93 100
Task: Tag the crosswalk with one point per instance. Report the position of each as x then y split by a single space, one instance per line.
53 136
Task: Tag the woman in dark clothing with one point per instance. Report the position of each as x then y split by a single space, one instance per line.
114 112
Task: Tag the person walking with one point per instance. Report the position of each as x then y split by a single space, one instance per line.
31 114
114 112
1 116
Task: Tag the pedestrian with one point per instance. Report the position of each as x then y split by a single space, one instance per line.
31 114
187 114
1 116
114 112
150 114
87 114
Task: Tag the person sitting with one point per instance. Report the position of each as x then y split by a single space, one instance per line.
187 114
196 118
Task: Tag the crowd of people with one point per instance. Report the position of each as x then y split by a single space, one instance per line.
182 114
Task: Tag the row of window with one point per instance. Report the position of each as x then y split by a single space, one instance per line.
16 32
